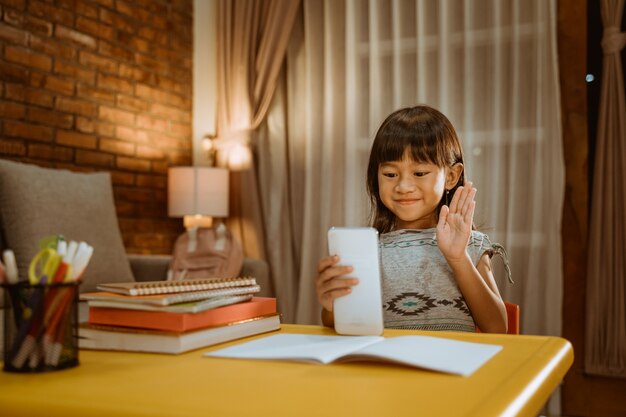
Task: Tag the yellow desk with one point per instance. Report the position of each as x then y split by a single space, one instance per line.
517 381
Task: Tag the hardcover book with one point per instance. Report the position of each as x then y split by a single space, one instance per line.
181 322
141 340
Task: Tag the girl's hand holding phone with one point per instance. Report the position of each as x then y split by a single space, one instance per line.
328 285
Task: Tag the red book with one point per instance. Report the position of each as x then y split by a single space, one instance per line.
182 322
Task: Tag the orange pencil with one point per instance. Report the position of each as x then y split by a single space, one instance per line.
57 335
65 295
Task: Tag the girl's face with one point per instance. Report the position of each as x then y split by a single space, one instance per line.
412 191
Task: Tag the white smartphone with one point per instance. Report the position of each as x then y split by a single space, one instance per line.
361 311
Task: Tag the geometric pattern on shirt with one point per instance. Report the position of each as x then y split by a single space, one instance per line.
415 303
459 303
410 304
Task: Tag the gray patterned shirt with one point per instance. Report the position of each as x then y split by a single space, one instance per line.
419 288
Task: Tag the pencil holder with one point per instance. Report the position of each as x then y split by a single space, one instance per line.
40 327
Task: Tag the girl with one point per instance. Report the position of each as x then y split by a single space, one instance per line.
436 270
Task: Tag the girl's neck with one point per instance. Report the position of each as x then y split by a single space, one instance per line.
398 229
423 223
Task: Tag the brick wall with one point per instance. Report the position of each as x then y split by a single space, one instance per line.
102 85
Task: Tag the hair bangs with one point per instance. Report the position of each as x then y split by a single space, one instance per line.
424 146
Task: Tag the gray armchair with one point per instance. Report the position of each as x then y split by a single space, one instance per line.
30 208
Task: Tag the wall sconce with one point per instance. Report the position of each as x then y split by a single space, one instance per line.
210 149
197 194
234 152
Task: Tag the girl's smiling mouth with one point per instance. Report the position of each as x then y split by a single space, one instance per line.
406 201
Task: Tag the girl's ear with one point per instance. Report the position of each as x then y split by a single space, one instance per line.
453 174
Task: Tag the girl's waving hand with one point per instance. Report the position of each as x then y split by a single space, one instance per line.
455 223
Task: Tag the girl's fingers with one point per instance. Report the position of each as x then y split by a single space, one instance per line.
455 200
326 262
329 297
462 197
469 199
337 287
464 192
330 282
338 284
469 215
330 273
443 216
337 292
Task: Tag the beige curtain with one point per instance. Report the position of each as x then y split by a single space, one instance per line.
605 349
302 154
281 202
318 122
252 39
491 66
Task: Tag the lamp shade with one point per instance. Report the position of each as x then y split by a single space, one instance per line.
197 191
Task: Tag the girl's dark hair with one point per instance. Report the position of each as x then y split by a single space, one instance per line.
431 138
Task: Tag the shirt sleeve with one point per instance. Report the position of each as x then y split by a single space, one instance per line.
480 244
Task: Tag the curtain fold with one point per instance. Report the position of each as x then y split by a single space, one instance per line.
252 42
605 335
320 125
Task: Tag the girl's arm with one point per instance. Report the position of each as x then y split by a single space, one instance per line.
481 294
476 283
328 318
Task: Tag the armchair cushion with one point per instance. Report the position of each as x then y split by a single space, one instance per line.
37 202
149 267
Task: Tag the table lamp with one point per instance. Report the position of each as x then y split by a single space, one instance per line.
198 194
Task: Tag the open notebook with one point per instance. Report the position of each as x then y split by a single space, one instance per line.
434 353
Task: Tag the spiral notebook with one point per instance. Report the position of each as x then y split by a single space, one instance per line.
168 287
172 298
195 306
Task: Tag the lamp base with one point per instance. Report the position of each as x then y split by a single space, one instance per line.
197 221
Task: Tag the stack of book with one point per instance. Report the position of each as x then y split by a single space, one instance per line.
175 316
